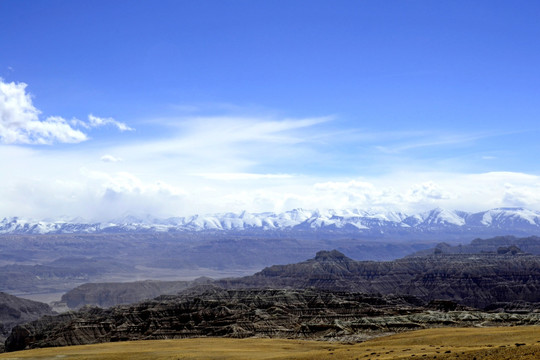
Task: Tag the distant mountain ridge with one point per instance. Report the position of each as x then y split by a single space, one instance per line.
501 220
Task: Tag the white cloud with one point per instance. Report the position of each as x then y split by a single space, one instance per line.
20 123
226 145
226 130
521 192
408 140
217 164
60 187
95 121
124 193
110 159
352 185
242 176
353 194
428 191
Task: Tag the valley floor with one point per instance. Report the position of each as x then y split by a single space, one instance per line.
493 343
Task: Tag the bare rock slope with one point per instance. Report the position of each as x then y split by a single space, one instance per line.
110 294
476 280
15 310
303 314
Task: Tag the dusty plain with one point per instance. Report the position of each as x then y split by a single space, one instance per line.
494 343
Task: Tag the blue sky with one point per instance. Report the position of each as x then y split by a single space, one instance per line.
182 107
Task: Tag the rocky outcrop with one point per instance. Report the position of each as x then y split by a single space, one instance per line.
303 314
474 280
498 244
15 310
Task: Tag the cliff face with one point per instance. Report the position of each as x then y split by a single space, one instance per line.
474 280
306 314
15 310
322 298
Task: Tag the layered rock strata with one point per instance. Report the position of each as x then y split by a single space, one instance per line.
110 294
304 314
476 280
15 310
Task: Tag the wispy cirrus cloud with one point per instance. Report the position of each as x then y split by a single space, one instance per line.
235 129
95 121
227 144
431 139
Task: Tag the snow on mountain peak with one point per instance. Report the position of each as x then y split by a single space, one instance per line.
294 220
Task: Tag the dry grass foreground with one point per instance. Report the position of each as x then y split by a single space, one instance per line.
444 343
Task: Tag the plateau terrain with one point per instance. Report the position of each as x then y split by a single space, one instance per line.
329 297
483 283
489 272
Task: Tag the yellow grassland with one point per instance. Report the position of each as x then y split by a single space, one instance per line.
444 343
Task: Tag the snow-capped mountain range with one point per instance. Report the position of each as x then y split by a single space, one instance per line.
503 220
